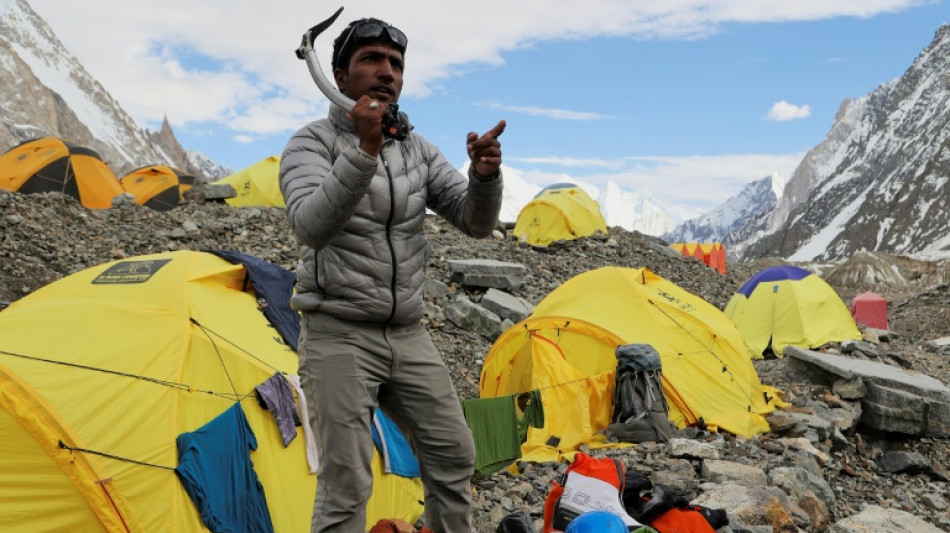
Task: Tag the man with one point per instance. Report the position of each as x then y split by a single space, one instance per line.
356 202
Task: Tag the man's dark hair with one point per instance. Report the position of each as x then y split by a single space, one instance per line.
348 41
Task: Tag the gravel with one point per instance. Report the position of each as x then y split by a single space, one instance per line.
45 237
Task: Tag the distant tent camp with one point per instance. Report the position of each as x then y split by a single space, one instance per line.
101 371
559 212
870 309
566 349
49 164
789 306
257 185
713 254
159 187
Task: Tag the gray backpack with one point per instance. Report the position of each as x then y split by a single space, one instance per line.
640 412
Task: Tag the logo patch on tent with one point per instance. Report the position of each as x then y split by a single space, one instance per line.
126 272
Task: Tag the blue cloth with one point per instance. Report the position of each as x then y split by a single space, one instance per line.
392 445
273 285
214 466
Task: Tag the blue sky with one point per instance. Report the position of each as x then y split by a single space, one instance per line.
686 101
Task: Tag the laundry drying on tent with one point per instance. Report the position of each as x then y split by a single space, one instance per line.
870 309
49 164
559 212
566 350
159 186
102 371
256 185
500 425
789 306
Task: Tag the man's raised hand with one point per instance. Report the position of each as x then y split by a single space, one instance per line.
485 151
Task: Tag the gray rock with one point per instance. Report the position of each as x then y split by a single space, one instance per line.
506 305
467 314
904 462
896 400
692 449
823 428
487 273
721 471
850 389
875 519
797 482
206 191
750 506
435 289
938 345
868 349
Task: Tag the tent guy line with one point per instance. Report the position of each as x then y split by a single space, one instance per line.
65 446
706 349
171 384
207 330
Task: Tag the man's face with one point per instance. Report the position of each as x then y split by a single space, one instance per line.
374 70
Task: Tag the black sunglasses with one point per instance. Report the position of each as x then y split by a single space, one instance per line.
372 30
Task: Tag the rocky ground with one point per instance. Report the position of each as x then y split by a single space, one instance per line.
46 237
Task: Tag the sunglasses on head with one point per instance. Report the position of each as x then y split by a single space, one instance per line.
372 30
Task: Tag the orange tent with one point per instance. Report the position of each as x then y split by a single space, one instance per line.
159 187
712 254
49 164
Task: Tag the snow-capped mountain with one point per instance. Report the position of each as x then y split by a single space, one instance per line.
755 199
46 91
879 180
628 210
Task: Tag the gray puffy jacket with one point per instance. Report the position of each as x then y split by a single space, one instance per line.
359 219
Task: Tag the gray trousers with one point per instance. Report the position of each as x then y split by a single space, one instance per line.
347 368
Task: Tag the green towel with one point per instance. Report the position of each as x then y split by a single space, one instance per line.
529 403
495 431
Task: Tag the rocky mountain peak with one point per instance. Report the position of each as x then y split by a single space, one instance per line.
877 179
49 93
721 223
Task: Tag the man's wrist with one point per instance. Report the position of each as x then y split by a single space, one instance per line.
482 177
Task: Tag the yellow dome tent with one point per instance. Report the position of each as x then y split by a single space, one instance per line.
559 212
49 164
257 185
102 370
566 349
159 187
789 306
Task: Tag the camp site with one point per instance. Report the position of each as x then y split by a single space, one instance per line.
715 298
722 397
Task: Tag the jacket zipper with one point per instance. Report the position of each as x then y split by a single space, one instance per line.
389 240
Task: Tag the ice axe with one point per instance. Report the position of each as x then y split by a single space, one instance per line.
395 122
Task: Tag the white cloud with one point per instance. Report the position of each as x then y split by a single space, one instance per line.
782 111
564 161
690 184
561 114
221 60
